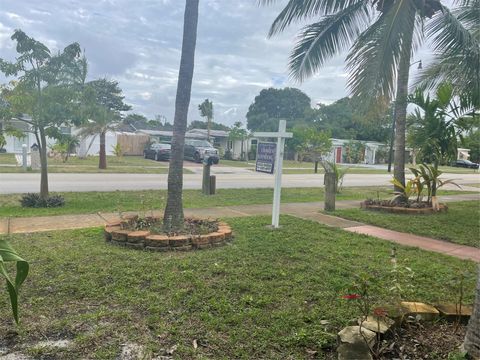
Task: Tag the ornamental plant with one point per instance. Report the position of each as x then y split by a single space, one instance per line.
8 254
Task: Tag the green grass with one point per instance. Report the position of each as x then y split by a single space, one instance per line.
460 224
92 202
351 170
8 159
261 297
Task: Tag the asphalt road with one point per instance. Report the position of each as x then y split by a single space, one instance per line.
227 178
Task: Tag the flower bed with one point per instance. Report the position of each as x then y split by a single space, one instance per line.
145 234
410 207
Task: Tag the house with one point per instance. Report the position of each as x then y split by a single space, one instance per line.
365 151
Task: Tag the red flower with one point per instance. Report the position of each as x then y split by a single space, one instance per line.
351 296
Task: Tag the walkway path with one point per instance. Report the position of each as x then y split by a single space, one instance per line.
308 211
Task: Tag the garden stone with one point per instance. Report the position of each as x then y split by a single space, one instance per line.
421 310
451 312
60 344
353 345
131 351
377 325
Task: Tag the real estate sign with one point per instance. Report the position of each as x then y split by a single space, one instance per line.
265 157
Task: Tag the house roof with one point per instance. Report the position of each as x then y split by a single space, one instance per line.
214 133
188 134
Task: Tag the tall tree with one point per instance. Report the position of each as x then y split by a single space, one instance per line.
197 124
272 104
45 94
457 52
206 111
173 217
104 101
380 36
472 337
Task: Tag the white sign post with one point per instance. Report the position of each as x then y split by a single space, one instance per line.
281 135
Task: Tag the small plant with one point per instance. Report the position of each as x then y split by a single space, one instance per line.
34 200
8 254
117 150
332 167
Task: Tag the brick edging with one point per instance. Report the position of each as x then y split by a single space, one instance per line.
144 240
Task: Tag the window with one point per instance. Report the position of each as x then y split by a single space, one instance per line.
254 142
229 144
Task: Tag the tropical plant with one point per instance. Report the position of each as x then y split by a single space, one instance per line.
45 94
103 106
238 133
8 254
437 124
380 37
117 150
412 187
457 52
206 111
173 216
340 172
65 145
311 143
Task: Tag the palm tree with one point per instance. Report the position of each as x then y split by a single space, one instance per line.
173 217
102 121
472 337
437 124
457 52
206 110
380 36
103 104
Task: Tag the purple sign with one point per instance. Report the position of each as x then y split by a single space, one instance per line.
266 157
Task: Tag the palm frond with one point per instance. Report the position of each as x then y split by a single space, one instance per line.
297 10
320 41
374 58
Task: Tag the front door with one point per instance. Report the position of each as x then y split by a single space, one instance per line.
338 156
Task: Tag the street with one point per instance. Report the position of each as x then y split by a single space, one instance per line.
227 178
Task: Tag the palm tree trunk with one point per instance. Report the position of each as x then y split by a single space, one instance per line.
42 148
401 111
472 338
102 160
173 217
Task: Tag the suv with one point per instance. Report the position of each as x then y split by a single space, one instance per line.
198 150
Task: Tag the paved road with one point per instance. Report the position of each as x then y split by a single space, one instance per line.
226 178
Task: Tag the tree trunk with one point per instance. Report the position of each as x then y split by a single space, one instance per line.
102 160
42 148
472 337
401 112
173 217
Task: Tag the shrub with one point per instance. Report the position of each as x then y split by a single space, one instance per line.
228 155
33 200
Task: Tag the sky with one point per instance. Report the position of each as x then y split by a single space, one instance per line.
138 43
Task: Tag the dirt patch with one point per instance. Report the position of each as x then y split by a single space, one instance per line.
155 226
425 340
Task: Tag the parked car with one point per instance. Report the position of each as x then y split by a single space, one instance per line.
157 152
197 150
465 164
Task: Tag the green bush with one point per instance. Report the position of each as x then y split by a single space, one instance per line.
33 200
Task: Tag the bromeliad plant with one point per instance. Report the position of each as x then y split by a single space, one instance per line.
8 254
427 177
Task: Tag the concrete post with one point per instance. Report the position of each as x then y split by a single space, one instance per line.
213 184
206 179
330 187
24 157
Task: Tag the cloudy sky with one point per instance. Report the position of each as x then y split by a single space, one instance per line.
138 44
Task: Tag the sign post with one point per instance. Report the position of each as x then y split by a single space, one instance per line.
264 155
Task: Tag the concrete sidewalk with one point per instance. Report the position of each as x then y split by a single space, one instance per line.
307 211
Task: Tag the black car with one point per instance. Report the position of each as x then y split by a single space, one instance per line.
157 152
465 164
197 150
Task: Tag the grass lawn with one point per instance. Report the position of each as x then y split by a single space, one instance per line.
124 164
460 224
351 170
8 159
92 202
261 297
